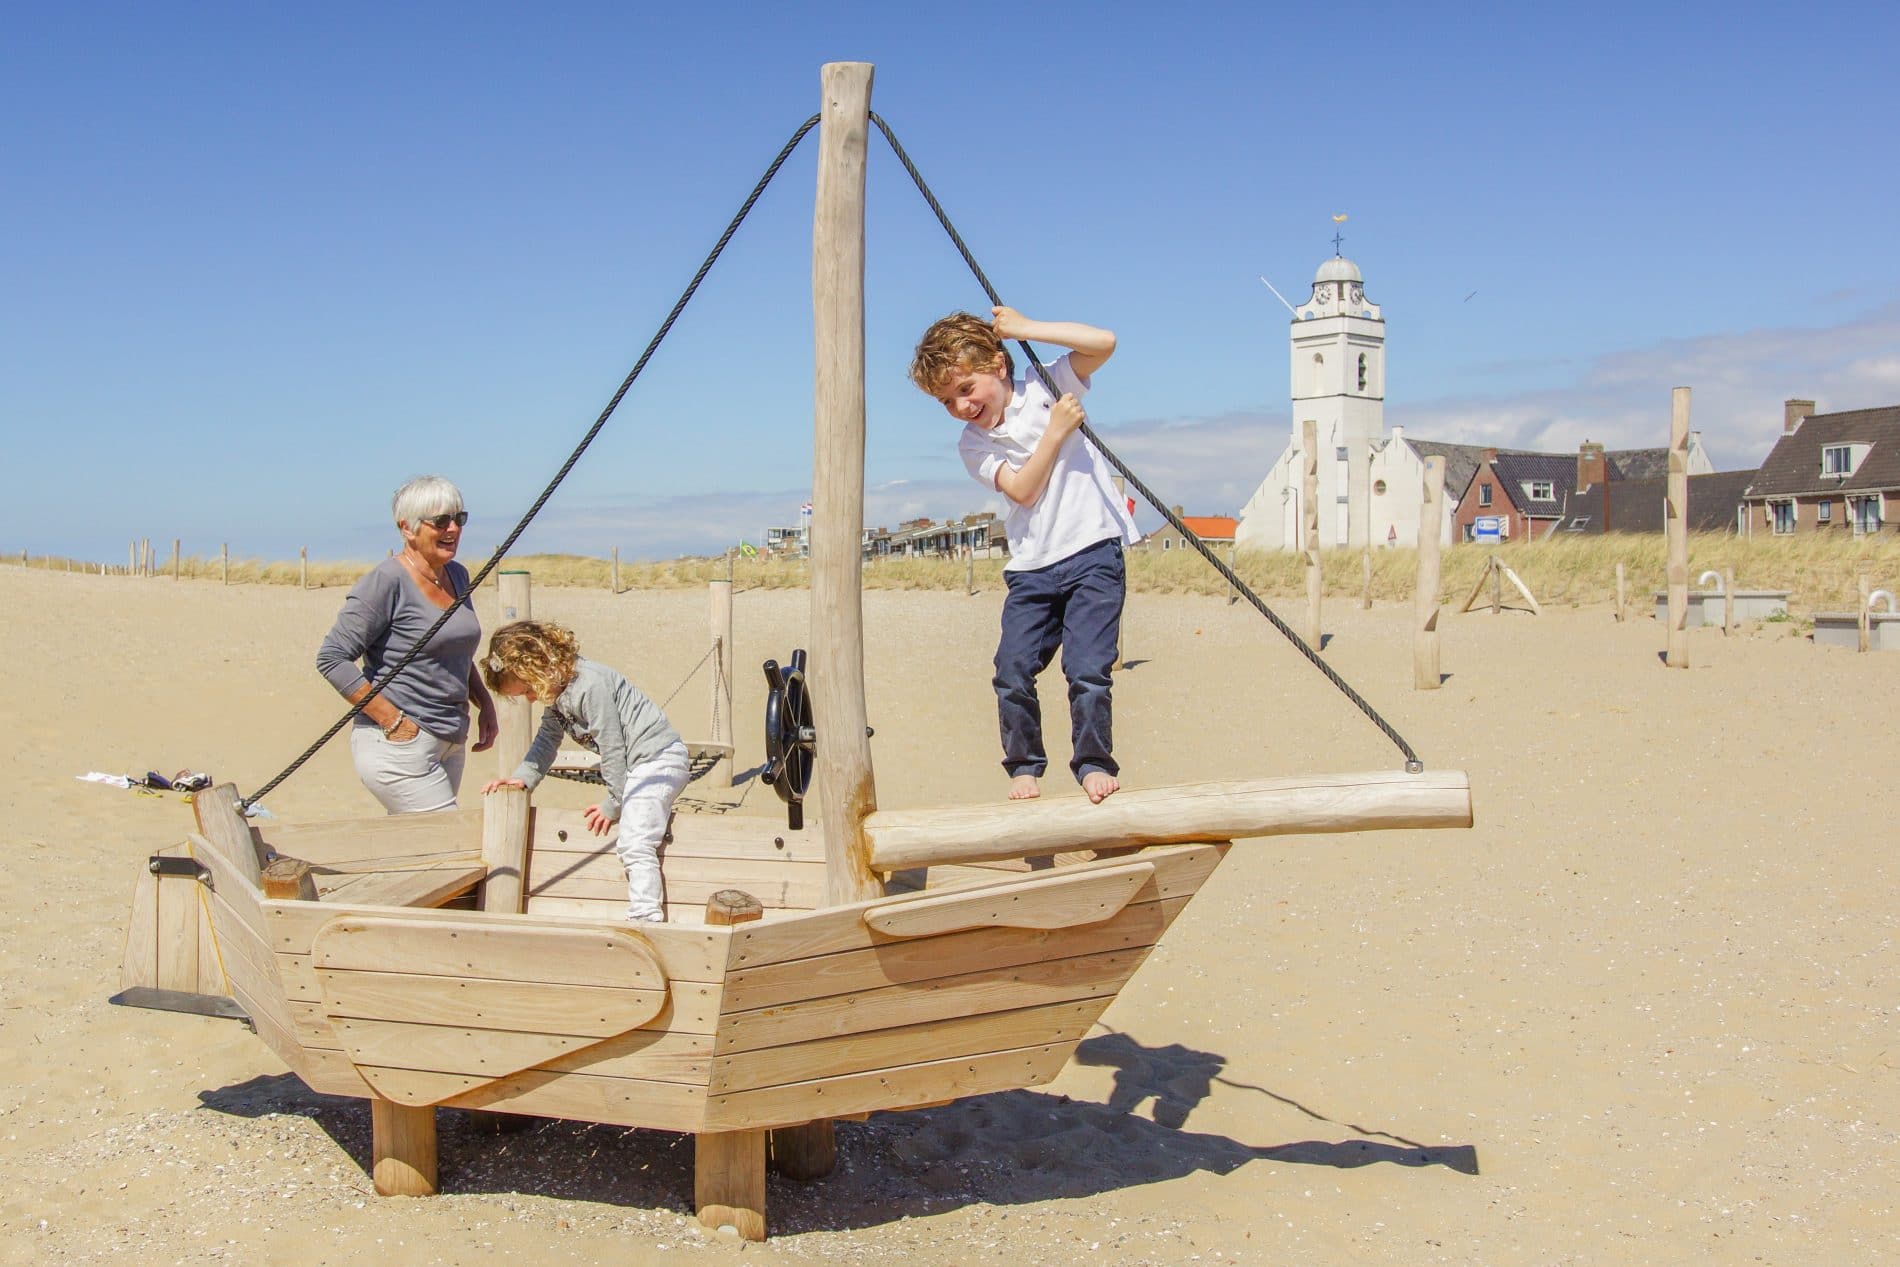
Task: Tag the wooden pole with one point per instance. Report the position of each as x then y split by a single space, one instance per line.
1622 605
506 823
842 775
616 576
1497 584
1309 514
729 1166
1676 522
719 594
303 567
224 564
515 715
402 1149
1425 672
175 544
145 556
969 571
1728 600
132 559
1866 605
289 880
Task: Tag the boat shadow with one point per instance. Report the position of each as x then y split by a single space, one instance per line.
1007 1148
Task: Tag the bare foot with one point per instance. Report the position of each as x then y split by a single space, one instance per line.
1100 785
1024 788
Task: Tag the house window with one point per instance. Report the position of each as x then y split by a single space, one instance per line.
1782 513
1167 543
1578 524
1866 514
1484 494
1837 459
1541 490
1823 512
1339 454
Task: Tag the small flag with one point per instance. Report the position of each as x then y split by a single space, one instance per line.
1131 505
805 509
1339 219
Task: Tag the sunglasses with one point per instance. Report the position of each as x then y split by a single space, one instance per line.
441 522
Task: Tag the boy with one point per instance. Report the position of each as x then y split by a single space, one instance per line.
1066 525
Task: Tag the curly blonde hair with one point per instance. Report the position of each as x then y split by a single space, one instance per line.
537 653
958 344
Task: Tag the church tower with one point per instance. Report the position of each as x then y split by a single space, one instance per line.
1337 344
1338 381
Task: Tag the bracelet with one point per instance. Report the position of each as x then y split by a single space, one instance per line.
390 729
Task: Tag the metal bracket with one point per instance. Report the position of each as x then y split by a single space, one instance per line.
181 1001
162 865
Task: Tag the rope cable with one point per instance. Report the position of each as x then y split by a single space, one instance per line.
501 551
1412 762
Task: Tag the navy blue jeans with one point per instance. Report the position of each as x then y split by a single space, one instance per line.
1075 604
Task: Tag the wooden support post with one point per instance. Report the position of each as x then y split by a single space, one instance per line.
1865 605
289 880
1676 523
303 567
23 559
1728 600
515 715
131 558
733 906
1309 533
615 586
842 777
175 544
145 556
720 595
402 1149
224 564
1425 672
729 1181
1497 584
969 571
1622 605
506 819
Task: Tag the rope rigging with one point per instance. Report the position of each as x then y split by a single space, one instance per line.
1412 762
501 550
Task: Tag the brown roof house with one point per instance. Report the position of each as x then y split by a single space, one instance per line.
1836 472
1603 503
1536 494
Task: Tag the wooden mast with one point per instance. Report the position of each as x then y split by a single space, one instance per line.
841 770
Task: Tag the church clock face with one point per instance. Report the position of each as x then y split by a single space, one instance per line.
1324 294
1356 294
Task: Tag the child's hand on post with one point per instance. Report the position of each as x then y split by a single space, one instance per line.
495 785
1065 416
597 822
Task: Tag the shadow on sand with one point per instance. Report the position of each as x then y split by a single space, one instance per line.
1009 1148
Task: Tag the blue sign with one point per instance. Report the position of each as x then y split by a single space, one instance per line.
1487 529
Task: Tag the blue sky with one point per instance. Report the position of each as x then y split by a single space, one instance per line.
259 264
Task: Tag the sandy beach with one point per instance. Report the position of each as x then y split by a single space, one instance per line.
1643 1012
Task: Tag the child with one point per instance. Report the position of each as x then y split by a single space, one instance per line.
642 758
1066 525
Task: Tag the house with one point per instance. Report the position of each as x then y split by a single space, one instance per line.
1715 504
1533 494
980 535
1836 472
1215 530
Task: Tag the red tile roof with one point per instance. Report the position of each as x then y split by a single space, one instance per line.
1215 526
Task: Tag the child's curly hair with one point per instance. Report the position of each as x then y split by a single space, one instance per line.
537 653
958 344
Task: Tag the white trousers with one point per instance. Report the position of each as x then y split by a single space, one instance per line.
646 805
408 778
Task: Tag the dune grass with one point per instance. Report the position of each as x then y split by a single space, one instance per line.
1821 570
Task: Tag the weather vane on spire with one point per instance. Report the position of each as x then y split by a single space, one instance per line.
1337 239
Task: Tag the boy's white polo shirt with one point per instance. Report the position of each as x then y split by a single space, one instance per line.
1078 507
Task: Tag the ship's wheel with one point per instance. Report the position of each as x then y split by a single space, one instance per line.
789 736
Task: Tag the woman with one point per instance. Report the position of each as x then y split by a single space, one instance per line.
409 742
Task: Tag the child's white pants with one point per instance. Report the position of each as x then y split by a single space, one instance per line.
646 804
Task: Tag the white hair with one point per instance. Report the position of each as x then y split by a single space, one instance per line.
424 497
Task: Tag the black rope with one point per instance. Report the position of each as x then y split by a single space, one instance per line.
501 550
1412 762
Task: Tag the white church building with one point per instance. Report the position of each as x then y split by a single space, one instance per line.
1371 481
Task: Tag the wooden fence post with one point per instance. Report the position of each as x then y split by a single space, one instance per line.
1865 606
1622 606
303 567
720 595
616 575
1309 518
1425 674
1676 521
1728 600
224 564
175 558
